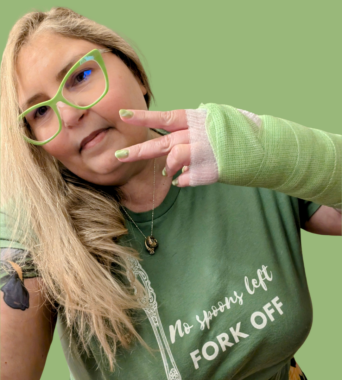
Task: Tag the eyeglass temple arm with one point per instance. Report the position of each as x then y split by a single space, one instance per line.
104 50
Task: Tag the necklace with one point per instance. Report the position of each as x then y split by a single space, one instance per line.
151 242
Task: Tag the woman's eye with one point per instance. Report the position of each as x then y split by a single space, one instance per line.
40 112
82 76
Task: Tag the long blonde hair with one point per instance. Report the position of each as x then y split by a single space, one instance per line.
70 228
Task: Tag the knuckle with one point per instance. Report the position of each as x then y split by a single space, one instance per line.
176 154
165 143
167 117
143 116
139 151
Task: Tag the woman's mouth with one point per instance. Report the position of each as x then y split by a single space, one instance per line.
94 138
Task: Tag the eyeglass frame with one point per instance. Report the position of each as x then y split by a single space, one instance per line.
95 54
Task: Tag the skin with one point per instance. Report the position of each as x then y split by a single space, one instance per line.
21 356
38 63
325 221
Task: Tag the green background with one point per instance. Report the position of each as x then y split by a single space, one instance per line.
267 57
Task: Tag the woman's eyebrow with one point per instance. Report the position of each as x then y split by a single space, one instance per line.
32 101
66 68
59 77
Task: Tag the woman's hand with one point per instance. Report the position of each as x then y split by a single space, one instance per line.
175 145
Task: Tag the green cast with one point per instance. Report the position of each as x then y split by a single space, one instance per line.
277 154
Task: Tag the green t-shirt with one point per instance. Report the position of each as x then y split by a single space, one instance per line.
227 285
228 291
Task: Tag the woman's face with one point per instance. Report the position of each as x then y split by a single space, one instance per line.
39 62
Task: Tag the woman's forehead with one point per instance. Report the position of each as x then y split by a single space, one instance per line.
42 58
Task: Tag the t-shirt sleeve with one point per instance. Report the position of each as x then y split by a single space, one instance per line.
306 210
16 265
13 255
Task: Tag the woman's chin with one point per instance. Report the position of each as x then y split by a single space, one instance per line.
106 170
103 168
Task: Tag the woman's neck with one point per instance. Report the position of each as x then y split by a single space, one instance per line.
138 191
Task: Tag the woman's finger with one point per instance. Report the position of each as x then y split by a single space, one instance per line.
177 158
183 180
169 120
154 148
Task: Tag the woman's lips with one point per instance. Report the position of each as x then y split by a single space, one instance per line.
93 138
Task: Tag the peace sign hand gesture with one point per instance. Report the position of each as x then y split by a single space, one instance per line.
187 146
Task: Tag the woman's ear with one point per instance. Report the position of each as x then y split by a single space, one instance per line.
142 88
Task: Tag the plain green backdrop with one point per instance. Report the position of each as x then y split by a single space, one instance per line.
267 57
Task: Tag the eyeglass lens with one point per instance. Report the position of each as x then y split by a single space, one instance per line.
83 87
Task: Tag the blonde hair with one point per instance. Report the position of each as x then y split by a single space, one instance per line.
70 227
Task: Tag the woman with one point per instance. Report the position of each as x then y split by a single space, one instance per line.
84 197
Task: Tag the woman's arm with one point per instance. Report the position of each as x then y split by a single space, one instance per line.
270 152
26 336
326 221
245 150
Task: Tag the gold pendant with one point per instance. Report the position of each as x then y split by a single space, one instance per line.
151 244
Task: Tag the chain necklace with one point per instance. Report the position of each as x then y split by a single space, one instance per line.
151 242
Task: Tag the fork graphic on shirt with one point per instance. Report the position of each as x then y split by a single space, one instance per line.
151 311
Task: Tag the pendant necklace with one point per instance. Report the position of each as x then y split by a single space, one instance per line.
151 242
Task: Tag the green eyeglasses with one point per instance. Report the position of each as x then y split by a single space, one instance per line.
85 84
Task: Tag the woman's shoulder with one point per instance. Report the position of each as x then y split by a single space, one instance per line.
16 265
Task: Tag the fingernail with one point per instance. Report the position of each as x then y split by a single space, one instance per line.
125 113
183 169
122 153
175 182
164 172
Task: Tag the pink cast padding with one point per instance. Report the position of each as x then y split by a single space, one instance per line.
203 168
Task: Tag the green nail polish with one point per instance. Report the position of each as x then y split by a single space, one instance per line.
122 153
164 172
125 113
175 182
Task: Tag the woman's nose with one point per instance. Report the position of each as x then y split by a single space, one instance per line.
70 116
